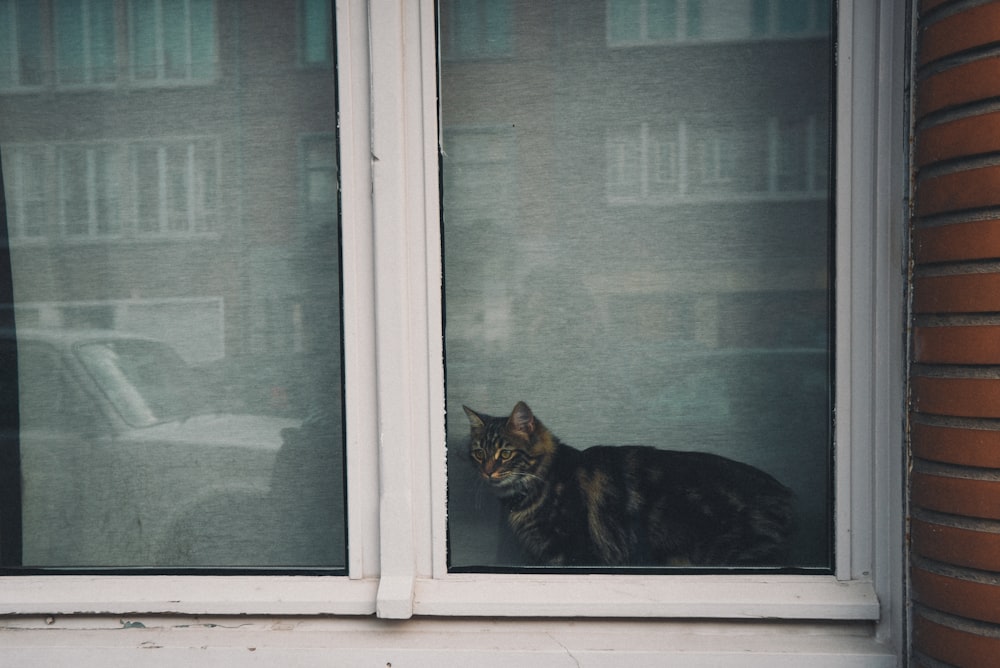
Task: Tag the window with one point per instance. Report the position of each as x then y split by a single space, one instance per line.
475 29
172 40
610 322
89 203
632 22
176 184
319 179
646 163
790 18
315 34
798 156
21 56
177 314
85 41
375 254
28 203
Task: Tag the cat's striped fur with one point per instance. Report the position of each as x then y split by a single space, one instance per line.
628 505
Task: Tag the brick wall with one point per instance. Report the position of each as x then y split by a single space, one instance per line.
955 383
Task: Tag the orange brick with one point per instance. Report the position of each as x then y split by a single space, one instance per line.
956 445
957 496
954 545
969 136
963 293
972 344
972 600
978 240
958 397
959 191
969 82
954 646
961 31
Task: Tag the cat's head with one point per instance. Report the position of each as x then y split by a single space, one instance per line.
513 453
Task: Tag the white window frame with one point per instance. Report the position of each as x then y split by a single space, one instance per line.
395 399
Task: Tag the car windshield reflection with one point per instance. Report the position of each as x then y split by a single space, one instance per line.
147 382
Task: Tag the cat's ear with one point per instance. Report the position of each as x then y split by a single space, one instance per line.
475 419
522 420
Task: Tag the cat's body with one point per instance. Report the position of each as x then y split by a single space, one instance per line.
628 505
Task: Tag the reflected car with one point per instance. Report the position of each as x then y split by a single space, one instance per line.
129 459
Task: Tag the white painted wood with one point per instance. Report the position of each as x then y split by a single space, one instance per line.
392 236
221 595
395 451
680 596
868 408
358 289
367 642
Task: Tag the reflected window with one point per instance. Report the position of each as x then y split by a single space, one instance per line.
172 39
26 176
636 249
632 22
320 178
85 41
790 18
22 60
475 29
175 267
315 32
89 190
646 162
799 155
175 186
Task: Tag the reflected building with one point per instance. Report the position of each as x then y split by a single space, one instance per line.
140 215
637 225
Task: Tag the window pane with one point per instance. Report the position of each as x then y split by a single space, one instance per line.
173 39
636 246
70 35
21 58
178 323
477 29
316 37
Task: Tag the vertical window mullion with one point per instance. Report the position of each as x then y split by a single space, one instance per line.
190 172
392 231
91 184
162 189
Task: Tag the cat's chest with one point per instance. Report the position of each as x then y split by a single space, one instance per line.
556 511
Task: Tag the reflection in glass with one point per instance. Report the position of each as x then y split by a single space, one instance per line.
175 260
636 236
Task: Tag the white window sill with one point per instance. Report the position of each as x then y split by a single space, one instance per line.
667 596
196 594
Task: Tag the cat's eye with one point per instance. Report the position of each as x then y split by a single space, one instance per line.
478 454
505 454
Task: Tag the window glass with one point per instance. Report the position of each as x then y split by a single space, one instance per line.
315 39
477 29
173 39
21 59
176 281
85 41
637 237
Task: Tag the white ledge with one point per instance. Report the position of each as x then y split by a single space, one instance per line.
669 596
197 594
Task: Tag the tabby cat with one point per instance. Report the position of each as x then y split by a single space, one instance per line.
628 505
